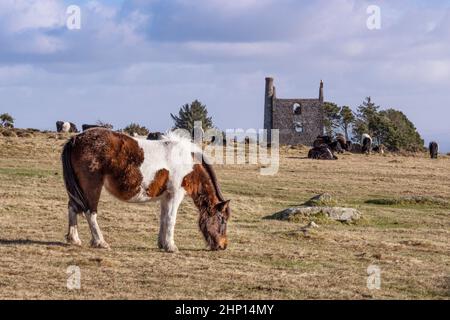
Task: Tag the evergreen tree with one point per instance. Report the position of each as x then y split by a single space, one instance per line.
366 120
189 114
389 127
399 132
332 117
347 119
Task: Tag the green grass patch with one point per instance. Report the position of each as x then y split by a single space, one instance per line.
421 201
29 173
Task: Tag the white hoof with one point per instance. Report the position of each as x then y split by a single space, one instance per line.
99 244
73 241
171 248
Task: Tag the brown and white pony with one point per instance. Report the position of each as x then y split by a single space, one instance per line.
139 171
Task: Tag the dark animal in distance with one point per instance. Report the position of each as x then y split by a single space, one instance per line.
338 145
335 146
321 152
64 126
366 143
434 149
320 140
154 136
343 142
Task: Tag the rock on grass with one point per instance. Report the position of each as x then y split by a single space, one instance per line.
321 205
334 213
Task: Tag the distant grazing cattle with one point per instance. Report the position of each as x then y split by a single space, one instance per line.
154 136
62 126
335 146
338 145
343 142
92 126
366 143
434 150
321 152
320 140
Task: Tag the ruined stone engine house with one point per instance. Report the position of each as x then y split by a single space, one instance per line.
299 121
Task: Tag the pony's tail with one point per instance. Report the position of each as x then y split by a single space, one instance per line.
77 198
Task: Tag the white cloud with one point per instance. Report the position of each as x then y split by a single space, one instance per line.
227 7
171 52
23 15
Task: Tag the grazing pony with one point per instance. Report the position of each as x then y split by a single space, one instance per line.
366 143
139 171
434 150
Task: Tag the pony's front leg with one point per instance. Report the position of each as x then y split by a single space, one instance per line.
72 236
169 209
97 236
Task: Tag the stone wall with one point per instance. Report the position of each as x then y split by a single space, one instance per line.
299 126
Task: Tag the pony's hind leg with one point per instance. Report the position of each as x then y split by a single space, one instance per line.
94 186
97 237
72 236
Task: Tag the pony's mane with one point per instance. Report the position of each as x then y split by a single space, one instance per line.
213 177
174 136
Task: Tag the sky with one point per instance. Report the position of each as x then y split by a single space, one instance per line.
139 61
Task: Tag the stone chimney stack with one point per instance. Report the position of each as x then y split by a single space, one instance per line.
321 91
268 104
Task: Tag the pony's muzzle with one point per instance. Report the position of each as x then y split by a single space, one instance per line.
222 244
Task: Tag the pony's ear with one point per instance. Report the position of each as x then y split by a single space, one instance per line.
223 206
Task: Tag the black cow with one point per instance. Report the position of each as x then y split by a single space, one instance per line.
60 124
321 152
335 146
434 149
154 136
320 140
338 145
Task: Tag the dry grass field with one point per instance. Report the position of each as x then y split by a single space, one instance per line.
266 259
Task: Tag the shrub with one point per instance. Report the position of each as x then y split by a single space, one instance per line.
6 120
135 128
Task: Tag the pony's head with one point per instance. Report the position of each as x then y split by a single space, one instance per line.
213 225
